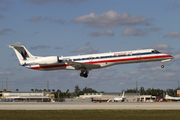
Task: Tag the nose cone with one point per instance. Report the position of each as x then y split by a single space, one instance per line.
171 57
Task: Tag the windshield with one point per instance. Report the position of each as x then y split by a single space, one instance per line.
155 51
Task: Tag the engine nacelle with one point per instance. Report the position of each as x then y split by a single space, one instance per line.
47 60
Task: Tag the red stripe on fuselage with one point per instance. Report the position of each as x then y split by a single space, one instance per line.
51 66
131 59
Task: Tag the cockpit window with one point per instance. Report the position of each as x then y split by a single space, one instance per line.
155 51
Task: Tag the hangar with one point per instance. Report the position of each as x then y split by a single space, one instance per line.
26 97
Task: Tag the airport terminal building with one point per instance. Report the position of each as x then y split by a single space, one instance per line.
26 97
109 97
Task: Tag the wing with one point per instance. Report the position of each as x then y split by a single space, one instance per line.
79 65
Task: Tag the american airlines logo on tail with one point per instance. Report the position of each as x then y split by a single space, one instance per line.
24 54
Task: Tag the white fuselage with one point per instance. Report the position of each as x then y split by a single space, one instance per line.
167 97
103 59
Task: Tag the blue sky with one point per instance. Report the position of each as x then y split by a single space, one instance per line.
72 27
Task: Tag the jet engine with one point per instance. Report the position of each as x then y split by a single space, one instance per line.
47 60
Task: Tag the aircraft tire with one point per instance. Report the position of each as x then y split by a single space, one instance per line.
85 75
81 74
162 66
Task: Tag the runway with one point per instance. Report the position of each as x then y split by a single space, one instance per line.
88 105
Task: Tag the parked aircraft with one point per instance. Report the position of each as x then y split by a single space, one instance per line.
167 97
88 62
122 98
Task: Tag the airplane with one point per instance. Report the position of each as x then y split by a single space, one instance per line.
167 97
122 98
85 63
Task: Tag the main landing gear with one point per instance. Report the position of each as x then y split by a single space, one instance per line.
84 73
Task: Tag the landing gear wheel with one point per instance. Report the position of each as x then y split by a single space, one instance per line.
81 74
84 72
85 75
162 66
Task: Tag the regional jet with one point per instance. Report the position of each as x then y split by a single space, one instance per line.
167 97
85 63
122 98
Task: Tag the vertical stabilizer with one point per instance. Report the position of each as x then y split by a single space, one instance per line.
123 94
22 53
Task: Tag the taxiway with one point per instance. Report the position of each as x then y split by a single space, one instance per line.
85 106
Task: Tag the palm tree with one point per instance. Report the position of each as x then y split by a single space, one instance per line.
53 90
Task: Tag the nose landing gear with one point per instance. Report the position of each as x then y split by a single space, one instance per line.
162 66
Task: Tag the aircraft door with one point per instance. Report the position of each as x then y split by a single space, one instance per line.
138 56
90 58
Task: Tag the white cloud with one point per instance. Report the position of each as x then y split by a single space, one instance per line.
177 57
165 48
87 49
60 21
155 29
93 50
173 34
133 32
134 72
169 74
40 18
5 31
152 69
57 48
106 33
81 49
35 19
40 46
111 19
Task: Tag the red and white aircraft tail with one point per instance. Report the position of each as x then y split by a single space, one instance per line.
22 53
85 63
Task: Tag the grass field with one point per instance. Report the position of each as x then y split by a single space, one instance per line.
89 114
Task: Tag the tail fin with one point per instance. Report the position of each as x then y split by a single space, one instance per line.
123 94
22 53
167 96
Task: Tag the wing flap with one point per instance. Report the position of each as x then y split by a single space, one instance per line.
79 65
